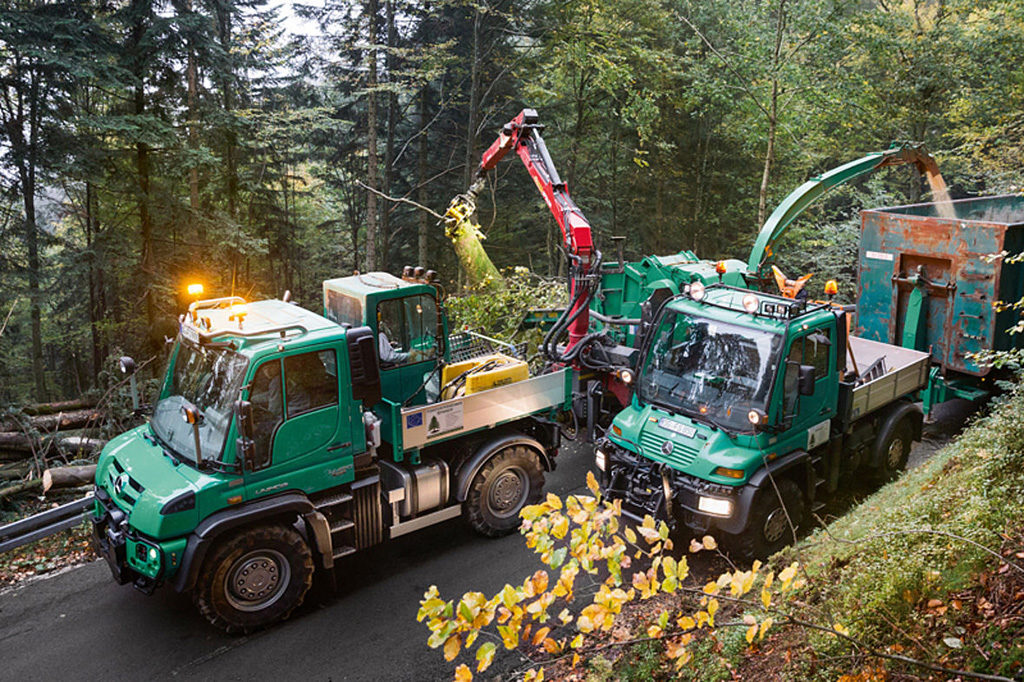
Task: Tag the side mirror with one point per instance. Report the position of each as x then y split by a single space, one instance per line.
806 380
127 365
243 412
362 362
128 368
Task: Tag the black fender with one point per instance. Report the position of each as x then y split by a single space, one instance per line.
488 449
798 461
288 506
896 414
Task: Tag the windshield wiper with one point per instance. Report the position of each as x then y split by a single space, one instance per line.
156 440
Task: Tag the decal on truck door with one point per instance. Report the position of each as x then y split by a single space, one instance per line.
817 434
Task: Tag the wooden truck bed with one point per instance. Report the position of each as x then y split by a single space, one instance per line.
422 425
906 371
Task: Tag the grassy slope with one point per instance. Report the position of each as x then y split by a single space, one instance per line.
902 592
880 586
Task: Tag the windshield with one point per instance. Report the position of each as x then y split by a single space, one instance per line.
208 378
709 370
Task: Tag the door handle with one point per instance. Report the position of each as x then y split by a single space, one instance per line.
338 446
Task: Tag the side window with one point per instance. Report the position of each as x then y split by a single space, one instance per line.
311 381
267 408
343 309
816 352
406 329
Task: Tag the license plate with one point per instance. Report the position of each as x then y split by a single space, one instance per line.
675 427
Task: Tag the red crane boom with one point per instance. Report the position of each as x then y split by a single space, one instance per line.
522 133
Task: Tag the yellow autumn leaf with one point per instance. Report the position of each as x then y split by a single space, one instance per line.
575 660
682 569
565 617
686 623
452 647
630 535
463 674
695 546
540 581
654 632
712 607
539 636
767 623
577 641
787 574
485 656
841 629
592 483
709 542
766 598
751 633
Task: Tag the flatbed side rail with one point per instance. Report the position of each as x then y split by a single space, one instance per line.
428 424
907 373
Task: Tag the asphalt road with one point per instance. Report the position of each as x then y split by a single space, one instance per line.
79 625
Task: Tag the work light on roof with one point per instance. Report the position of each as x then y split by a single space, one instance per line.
697 291
750 303
195 289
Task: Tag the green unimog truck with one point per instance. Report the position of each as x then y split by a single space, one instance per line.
747 411
283 440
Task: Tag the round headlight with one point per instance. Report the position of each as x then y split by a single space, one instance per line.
750 303
697 291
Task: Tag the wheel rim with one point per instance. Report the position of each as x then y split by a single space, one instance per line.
775 525
895 454
257 580
508 493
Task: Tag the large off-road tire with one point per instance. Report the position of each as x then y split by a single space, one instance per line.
505 484
253 578
893 450
768 527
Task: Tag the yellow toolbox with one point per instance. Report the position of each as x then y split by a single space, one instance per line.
481 374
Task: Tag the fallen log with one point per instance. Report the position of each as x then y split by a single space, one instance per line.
16 441
68 477
55 422
80 444
61 406
17 488
13 472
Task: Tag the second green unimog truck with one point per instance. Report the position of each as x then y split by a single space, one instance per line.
283 440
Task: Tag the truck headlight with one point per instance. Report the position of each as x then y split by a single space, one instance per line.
601 460
715 506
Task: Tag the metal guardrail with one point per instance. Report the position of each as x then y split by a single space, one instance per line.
44 524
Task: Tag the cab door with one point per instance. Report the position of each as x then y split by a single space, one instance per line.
300 432
407 333
808 416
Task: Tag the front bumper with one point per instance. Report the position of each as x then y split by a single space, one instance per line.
131 558
649 488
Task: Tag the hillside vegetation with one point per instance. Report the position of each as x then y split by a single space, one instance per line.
930 567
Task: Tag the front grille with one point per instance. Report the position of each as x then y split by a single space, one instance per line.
130 486
651 443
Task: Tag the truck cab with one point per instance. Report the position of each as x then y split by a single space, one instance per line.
283 440
742 410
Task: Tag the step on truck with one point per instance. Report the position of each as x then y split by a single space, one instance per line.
284 440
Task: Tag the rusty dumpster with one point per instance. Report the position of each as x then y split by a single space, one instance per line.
927 279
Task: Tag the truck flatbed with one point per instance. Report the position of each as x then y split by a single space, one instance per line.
902 371
419 426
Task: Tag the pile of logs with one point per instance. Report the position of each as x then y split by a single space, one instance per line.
49 432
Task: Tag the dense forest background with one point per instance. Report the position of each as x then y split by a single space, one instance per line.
145 144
